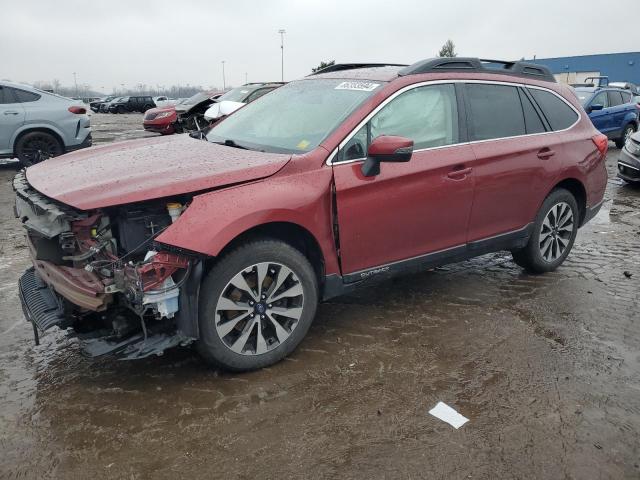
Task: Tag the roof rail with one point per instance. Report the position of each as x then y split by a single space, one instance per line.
338 67
471 64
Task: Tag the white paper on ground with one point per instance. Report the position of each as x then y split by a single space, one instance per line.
447 414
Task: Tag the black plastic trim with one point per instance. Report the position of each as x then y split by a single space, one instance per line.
479 65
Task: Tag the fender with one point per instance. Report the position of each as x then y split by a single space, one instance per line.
630 117
214 219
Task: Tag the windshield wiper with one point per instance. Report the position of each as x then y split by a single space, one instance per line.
231 143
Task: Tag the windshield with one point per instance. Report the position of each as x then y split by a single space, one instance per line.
236 95
294 118
583 96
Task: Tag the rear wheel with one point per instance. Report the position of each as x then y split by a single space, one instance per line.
256 305
121 109
34 147
554 232
627 132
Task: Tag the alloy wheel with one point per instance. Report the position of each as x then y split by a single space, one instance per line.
259 308
556 231
39 148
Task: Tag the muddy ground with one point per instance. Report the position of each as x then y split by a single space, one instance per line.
547 369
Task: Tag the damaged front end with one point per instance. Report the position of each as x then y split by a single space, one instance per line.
100 275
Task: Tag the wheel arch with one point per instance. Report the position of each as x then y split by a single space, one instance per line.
288 232
38 128
579 192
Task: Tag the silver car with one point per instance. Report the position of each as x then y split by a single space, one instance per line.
36 125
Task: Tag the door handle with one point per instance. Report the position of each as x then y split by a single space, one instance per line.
460 173
11 112
545 153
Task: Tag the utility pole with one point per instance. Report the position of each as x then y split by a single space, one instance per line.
224 81
75 80
282 31
246 75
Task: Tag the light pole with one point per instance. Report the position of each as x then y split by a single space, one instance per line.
282 31
245 77
224 81
75 80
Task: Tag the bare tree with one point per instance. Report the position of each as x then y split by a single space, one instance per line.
322 65
448 50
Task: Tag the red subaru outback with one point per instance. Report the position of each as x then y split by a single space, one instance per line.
230 241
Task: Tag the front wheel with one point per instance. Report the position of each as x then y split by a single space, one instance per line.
627 132
256 305
554 231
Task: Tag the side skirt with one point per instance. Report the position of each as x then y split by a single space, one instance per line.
335 285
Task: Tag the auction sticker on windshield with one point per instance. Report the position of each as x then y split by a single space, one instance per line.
361 86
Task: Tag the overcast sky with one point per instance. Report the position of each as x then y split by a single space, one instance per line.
165 42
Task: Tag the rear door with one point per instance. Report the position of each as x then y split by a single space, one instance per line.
618 111
11 117
412 208
513 157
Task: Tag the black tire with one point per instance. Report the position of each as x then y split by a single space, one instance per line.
146 107
121 109
218 282
34 147
531 257
626 133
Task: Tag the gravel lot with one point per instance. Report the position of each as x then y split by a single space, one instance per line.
547 369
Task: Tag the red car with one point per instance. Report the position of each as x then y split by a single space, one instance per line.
165 120
160 120
358 172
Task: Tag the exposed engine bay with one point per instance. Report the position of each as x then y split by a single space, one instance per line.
100 274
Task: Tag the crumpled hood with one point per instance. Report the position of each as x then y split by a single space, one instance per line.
138 170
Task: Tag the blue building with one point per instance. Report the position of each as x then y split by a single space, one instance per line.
619 67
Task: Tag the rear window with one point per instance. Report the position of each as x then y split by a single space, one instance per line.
559 115
24 96
496 111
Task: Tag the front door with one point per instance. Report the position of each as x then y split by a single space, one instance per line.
409 209
601 119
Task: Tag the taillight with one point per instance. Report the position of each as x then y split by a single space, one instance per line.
601 142
76 109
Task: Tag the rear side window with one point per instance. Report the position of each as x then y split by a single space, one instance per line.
24 97
559 115
6 96
615 98
626 97
496 111
532 120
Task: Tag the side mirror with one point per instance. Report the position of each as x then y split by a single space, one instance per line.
386 148
595 107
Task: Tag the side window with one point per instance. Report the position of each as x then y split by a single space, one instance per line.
558 113
24 97
626 97
427 115
615 98
495 110
601 99
532 121
3 97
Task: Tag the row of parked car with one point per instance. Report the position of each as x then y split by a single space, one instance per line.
128 104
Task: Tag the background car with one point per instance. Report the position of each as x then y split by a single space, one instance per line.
132 104
160 120
35 125
613 111
104 106
629 160
95 105
232 100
